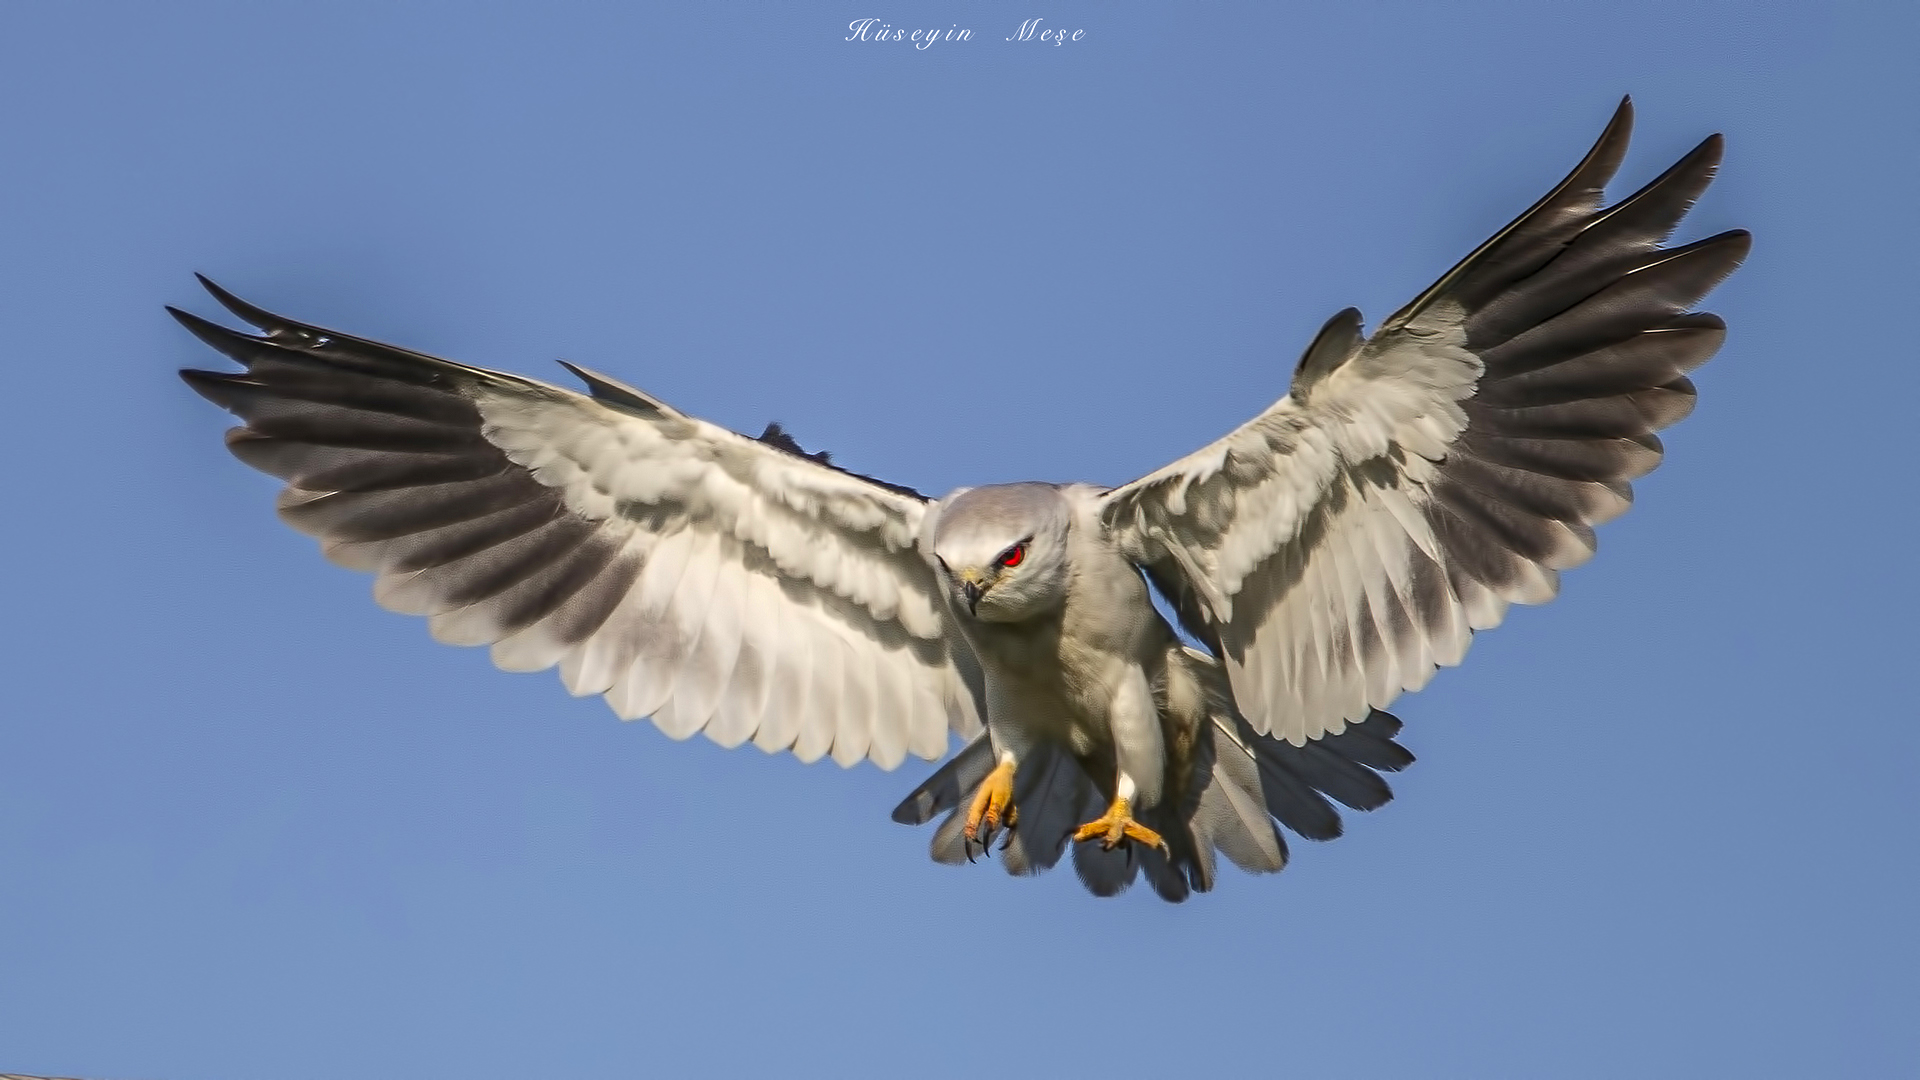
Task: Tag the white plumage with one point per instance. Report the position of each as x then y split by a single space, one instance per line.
1328 554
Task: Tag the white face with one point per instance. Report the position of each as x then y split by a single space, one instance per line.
1001 552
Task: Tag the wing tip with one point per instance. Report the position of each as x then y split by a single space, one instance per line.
221 339
209 384
1587 180
256 316
611 391
1336 342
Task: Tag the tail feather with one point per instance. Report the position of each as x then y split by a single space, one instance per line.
1238 823
1048 794
950 845
1236 784
1104 871
949 785
1167 879
1048 799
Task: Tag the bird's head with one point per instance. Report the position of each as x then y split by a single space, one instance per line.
1001 551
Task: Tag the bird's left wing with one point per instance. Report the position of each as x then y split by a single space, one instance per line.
711 581
1338 547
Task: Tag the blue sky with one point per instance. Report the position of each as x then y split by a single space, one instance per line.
252 826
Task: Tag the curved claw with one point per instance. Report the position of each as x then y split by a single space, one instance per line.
994 797
1117 824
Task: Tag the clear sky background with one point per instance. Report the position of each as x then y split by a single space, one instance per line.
254 828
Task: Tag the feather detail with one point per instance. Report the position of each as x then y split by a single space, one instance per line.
1410 488
682 570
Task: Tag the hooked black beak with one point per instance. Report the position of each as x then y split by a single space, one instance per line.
972 591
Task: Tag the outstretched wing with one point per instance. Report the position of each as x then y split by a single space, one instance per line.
711 581
1338 547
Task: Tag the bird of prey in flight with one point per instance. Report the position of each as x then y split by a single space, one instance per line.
1321 558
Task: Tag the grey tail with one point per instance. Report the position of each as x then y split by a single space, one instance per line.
1238 785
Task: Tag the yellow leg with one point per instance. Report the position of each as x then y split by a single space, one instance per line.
994 797
1118 825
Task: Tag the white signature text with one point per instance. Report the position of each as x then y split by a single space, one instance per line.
881 30
875 30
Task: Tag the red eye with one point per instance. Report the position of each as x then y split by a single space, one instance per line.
1013 555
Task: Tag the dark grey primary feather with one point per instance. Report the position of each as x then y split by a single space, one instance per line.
1510 406
382 452
1297 779
1582 322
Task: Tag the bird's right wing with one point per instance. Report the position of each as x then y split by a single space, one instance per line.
1336 548
711 581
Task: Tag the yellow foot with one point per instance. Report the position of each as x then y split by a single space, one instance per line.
994 797
1118 825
